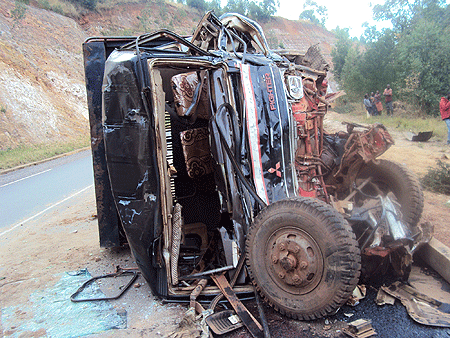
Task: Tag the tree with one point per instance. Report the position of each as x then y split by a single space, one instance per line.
314 13
424 65
215 5
371 34
263 10
237 6
89 4
258 10
352 79
401 13
421 28
412 57
340 50
201 5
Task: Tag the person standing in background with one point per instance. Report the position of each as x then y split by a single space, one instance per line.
374 111
368 105
377 101
444 108
388 100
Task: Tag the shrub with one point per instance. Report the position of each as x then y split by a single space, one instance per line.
89 4
437 179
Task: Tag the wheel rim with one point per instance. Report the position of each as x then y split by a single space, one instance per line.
294 260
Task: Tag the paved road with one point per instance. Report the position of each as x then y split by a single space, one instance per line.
31 191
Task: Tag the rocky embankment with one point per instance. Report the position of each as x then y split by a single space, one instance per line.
42 91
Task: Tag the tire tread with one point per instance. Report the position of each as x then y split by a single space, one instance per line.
347 249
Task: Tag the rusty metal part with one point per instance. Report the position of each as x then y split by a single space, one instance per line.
361 147
295 260
321 99
384 298
360 328
262 315
237 272
358 293
396 255
247 318
378 251
196 292
423 309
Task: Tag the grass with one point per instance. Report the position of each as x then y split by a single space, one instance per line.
412 124
11 158
437 179
401 121
62 7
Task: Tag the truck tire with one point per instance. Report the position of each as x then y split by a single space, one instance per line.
393 177
303 257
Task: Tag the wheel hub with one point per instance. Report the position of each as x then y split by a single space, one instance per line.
296 263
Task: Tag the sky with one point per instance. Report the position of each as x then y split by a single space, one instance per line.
343 13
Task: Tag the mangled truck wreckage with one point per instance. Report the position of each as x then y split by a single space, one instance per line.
212 163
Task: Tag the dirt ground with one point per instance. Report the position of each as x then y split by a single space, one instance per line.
36 256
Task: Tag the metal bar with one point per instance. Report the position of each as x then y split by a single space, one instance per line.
81 288
253 326
206 273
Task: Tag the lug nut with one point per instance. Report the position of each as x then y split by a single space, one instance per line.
282 247
296 279
281 275
274 259
303 265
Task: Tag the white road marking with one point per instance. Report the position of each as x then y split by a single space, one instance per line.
4 185
45 210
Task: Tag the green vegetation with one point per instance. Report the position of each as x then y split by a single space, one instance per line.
437 179
20 9
258 10
62 7
412 56
314 13
10 158
89 4
402 121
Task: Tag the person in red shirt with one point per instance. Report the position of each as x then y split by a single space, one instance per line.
388 100
444 107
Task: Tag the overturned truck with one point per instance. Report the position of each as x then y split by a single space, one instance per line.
211 159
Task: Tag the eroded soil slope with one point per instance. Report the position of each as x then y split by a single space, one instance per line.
42 91
42 95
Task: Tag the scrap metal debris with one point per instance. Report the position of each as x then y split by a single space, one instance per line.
360 328
384 298
191 327
220 123
134 275
250 322
224 321
422 136
358 293
422 308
